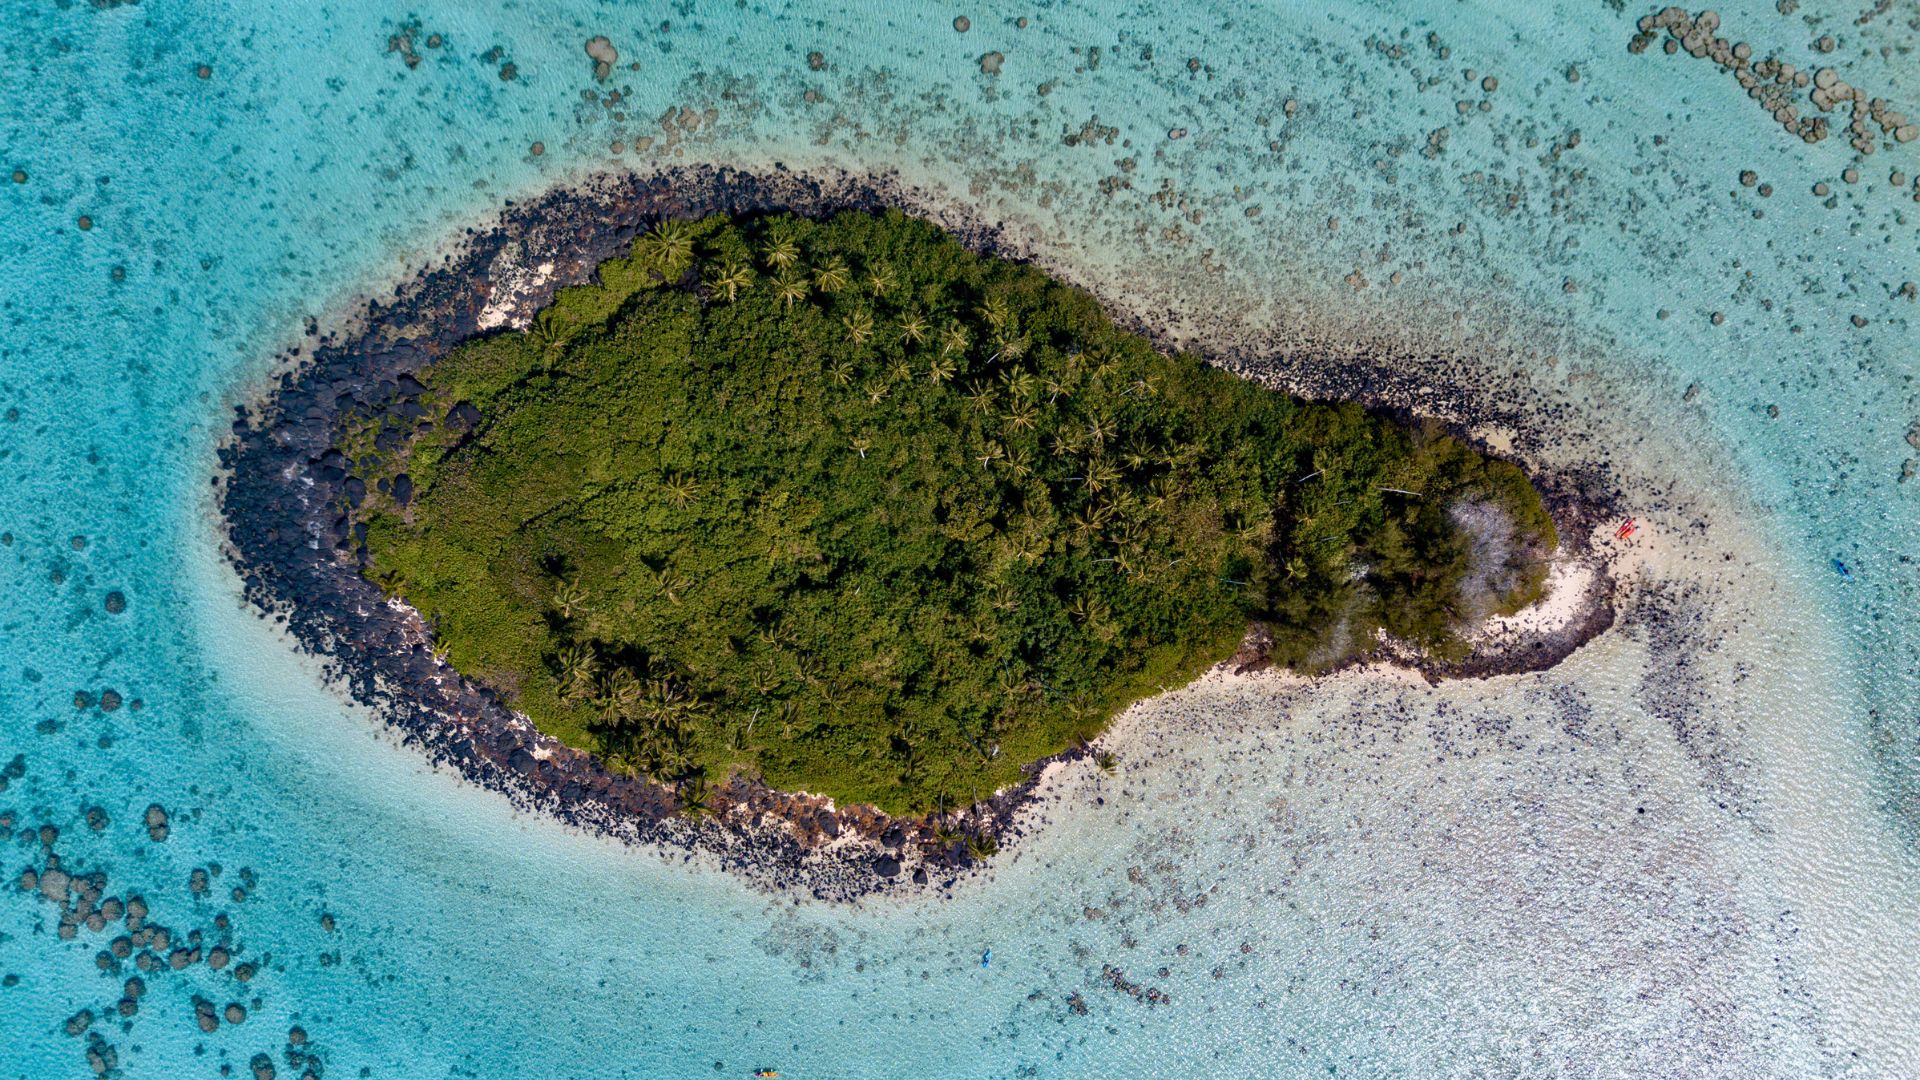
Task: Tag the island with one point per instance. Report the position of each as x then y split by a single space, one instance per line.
849 507
751 516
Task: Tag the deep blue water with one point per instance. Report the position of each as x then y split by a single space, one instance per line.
1686 851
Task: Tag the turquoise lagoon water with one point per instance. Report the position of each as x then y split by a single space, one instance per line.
1686 851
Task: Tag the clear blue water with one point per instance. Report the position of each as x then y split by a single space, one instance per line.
1680 853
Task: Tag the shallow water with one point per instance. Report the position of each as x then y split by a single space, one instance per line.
1686 851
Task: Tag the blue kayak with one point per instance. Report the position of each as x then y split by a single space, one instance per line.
1842 567
986 958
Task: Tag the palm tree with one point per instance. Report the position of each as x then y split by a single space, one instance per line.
1019 383
609 710
1090 521
944 835
940 370
733 277
1100 475
790 287
668 246
1106 762
980 395
1165 490
982 846
859 325
570 599
996 311
695 800
861 446
880 278
913 329
1021 418
1088 610
672 585
876 391
679 488
841 373
546 330
832 276
953 340
781 252
1100 429
578 665
1026 548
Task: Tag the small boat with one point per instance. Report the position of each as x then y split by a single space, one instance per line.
1842 568
766 1074
1626 529
986 958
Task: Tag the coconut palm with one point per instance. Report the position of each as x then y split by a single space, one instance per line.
1011 349
570 599
1165 490
880 279
667 247
940 370
679 488
832 276
954 340
733 277
996 311
1100 475
913 329
790 287
694 798
1089 521
781 252
546 330
672 585
943 834
859 326
578 665
610 711
982 846
1019 383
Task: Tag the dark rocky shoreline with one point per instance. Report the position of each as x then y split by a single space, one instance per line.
284 490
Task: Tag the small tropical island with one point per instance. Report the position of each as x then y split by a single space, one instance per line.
841 506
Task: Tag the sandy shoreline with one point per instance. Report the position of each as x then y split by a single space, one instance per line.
284 492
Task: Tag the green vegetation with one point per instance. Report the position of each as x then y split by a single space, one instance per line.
847 505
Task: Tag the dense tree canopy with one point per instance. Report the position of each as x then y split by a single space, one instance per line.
879 518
